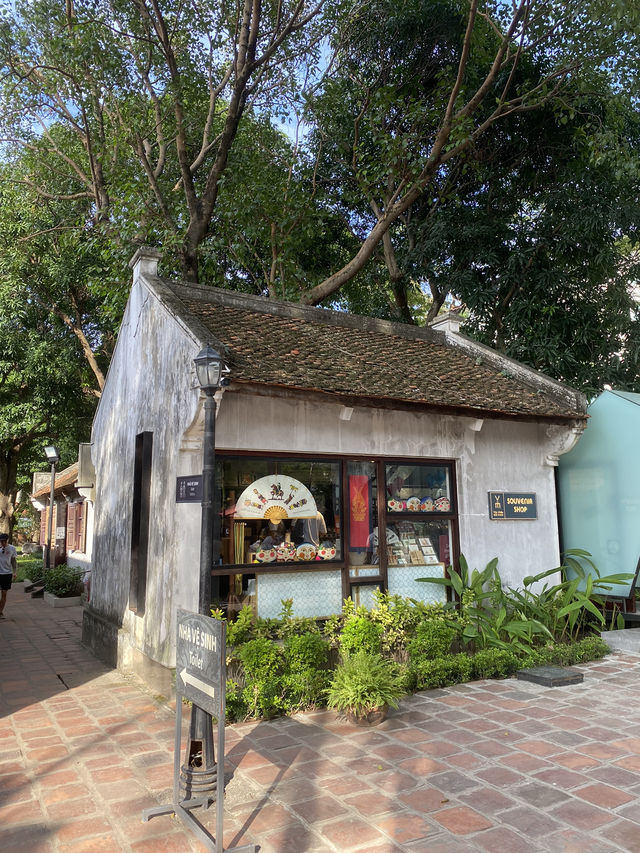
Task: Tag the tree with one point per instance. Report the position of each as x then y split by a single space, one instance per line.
159 87
56 335
172 83
422 96
523 224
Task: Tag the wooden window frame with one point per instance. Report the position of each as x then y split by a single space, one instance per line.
384 517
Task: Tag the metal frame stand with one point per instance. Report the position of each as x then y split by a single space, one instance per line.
182 809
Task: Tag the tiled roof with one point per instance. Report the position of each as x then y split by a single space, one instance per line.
353 359
64 478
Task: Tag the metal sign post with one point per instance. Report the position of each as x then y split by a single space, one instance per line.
201 677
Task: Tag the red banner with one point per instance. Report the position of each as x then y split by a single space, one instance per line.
359 529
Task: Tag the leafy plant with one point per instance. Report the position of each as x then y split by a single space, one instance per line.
360 633
495 663
307 670
29 567
448 669
63 581
522 619
263 664
364 682
432 639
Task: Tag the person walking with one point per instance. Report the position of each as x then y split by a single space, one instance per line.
8 568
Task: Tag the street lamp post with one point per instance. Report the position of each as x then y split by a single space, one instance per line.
53 457
198 773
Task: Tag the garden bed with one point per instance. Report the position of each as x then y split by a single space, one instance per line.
281 666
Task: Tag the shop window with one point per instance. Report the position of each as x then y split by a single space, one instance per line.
418 488
279 511
379 524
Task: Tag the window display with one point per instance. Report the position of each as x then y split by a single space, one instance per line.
418 488
370 518
279 511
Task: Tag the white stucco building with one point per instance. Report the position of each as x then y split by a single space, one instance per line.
335 433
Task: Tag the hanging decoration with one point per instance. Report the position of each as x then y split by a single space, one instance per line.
276 497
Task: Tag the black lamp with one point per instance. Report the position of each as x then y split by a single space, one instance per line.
53 457
198 774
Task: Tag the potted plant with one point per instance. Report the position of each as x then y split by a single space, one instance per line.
364 686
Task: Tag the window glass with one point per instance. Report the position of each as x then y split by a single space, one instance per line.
418 488
362 518
419 543
277 532
364 595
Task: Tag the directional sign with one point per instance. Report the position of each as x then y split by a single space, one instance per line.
200 661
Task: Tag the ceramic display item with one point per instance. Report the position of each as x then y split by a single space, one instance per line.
326 552
306 551
286 552
266 555
413 505
442 504
426 505
395 505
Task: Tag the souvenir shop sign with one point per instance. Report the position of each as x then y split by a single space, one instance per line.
512 506
276 497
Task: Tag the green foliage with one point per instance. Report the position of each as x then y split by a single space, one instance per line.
495 663
261 658
263 664
269 675
399 618
63 581
29 567
522 619
363 682
241 628
360 633
440 671
307 670
432 639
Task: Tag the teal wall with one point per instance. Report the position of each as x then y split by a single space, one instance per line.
599 482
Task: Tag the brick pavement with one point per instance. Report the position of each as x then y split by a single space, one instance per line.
491 766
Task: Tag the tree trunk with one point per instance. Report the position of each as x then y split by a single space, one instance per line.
8 473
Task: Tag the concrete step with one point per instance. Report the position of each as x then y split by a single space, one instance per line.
626 640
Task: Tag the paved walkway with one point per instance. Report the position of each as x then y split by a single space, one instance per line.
498 766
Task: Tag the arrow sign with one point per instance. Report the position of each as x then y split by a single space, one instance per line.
187 678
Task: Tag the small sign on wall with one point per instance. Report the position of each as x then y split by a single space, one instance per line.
512 506
189 489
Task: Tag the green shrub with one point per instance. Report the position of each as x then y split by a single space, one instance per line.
241 629
236 704
307 670
432 639
261 658
364 682
361 634
439 672
495 663
29 567
306 651
263 663
63 581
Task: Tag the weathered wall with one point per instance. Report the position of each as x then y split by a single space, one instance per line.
151 387
490 456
